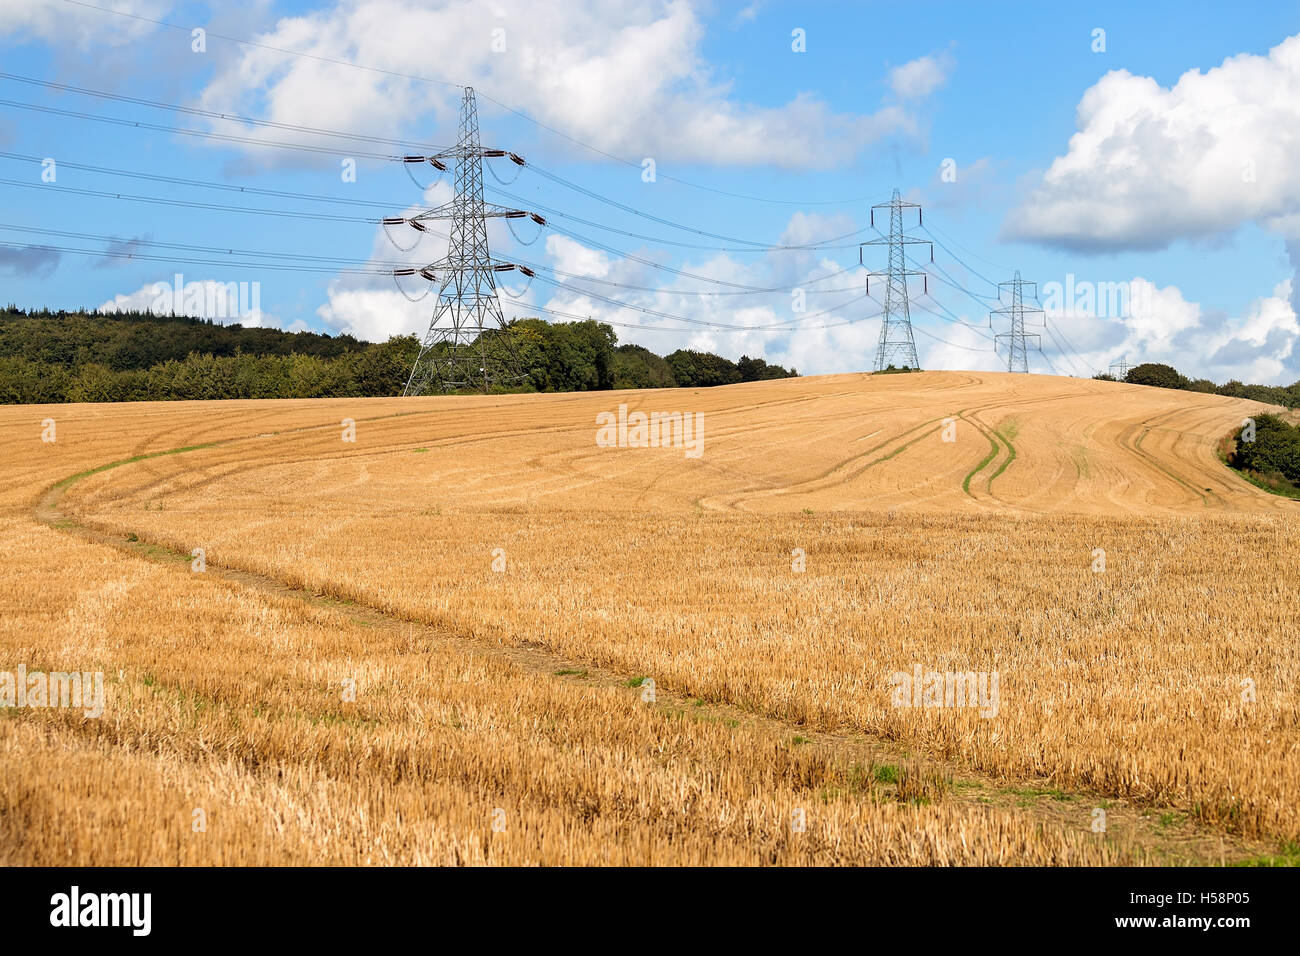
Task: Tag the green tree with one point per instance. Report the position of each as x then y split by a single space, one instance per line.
1156 374
637 367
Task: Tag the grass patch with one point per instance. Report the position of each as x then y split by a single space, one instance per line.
993 453
1288 855
885 773
1009 430
1032 793
129 461
922 784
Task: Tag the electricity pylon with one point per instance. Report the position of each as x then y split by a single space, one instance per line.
896 342
1123 369
467 344
1017 352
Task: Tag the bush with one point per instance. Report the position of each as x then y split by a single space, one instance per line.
1275 450
1156 374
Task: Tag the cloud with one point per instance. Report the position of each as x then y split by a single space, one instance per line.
570 256
373 308
63 23
1150 165
921 77
631 80
29 261
117 252
962 347
1161 325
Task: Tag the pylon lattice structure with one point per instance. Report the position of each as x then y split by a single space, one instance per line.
897 347
467 345
1119 370
1017 351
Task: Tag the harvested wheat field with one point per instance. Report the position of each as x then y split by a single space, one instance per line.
476 630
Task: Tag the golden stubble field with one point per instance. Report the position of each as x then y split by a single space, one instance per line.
458 630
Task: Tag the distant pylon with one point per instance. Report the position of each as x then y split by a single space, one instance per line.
1119 370
466 345
896 342
1017 350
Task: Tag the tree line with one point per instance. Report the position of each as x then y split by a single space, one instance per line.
1166 376
81 356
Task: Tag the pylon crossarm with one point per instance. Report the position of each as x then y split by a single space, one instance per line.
903 240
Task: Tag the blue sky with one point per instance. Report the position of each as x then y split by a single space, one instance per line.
1164 162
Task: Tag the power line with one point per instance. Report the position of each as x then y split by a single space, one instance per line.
955 345
749 247
1076 353
204 184
590 193
327 217
717 325
214 250
970 251
349 153
110 254
1075 359
429 79
740 289
214 114
657 265
949 316
375 270
619 303
190 204
983 301
958 258
204 134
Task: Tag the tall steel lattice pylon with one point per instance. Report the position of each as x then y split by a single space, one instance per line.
1119 370
1017 349
897 348
467 345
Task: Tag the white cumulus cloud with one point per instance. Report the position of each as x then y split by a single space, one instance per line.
1151 164
630 79
922 76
